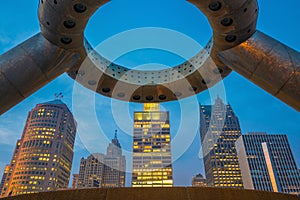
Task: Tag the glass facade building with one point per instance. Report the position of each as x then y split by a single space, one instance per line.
267 163
219 129
152 158
42 159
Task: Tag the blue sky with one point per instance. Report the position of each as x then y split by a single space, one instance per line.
256 109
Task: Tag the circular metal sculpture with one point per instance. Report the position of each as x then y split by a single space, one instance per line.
236 45
66 30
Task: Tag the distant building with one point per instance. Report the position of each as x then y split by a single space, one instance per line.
199 181
267 163
152 158
42 159
75 181
106 171
5 173
114 166
219 129
8 176
91 171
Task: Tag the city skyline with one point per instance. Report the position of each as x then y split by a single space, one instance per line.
267 106
203 108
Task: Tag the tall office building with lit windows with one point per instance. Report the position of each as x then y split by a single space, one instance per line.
152 159
267 163
219 129
43 157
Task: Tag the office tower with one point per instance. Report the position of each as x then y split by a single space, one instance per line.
114 165
267 163
75 181
219 129
43 156
152 159
106 171
198 181
5 173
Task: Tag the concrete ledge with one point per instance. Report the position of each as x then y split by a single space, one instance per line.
180 193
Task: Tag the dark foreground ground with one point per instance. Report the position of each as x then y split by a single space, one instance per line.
180 193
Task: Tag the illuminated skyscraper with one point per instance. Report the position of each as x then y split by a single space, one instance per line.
199 181
152 159
219 129
267 163
43 157
106 171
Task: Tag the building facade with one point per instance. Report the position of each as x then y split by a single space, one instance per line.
75 181
267 163
106 171
199 181
152 158
42 159
91 171
219 129
114 165
5 173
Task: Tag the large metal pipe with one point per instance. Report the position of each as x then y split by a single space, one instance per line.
269 64
28 67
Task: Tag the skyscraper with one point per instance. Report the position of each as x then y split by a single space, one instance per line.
114 165
199 181
43 157
106 171
152 159
219 129
267 163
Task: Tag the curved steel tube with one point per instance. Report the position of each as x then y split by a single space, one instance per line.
60 48
28 67
269 64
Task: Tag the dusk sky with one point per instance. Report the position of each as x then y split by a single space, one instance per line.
257 110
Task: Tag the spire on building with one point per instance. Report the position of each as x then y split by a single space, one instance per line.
116 134
115 141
